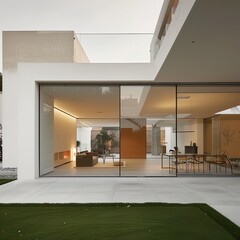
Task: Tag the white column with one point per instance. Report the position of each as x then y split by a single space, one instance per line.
156 140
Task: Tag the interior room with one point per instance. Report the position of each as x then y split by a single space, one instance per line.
139 130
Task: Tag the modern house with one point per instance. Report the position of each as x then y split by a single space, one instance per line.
177 114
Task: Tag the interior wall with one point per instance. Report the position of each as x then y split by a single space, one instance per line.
199 130
156 140
46 134
64 132
186 134
207 123
168 138
10 119
230 135
84 136
216 135
133 138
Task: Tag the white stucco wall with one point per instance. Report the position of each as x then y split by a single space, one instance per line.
21 110
28 47
10 119
183 9
84 136
1 113
0 108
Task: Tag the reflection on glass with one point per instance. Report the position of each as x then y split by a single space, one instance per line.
147 130
208 126
79 130
84 133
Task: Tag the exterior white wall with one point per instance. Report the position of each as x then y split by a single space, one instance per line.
26 143
0 108
64 132
10 119
27 46
84 136
1 115
26 105
183 9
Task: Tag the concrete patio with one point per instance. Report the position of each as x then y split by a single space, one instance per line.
221 193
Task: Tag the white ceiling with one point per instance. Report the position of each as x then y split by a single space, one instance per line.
207 48
86 101
89 103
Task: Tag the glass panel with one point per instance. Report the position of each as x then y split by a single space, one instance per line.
147 130
79 130
208 129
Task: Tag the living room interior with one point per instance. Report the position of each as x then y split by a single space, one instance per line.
141 125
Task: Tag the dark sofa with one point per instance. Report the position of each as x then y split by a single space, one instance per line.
86 160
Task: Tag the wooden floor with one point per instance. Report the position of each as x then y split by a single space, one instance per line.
148 167
131 167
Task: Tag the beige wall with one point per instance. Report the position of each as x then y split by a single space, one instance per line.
37 47
207 135
133 139
190 131
228 136
230 129
64 132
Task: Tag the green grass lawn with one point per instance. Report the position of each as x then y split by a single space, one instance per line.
3 181
114 221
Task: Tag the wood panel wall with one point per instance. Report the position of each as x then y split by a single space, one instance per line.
133 142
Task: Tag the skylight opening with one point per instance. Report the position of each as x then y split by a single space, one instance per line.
233 110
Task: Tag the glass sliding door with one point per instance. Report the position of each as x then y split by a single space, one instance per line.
147 130
79 130
208 130
131 130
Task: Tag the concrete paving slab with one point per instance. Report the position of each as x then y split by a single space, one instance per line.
223 194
